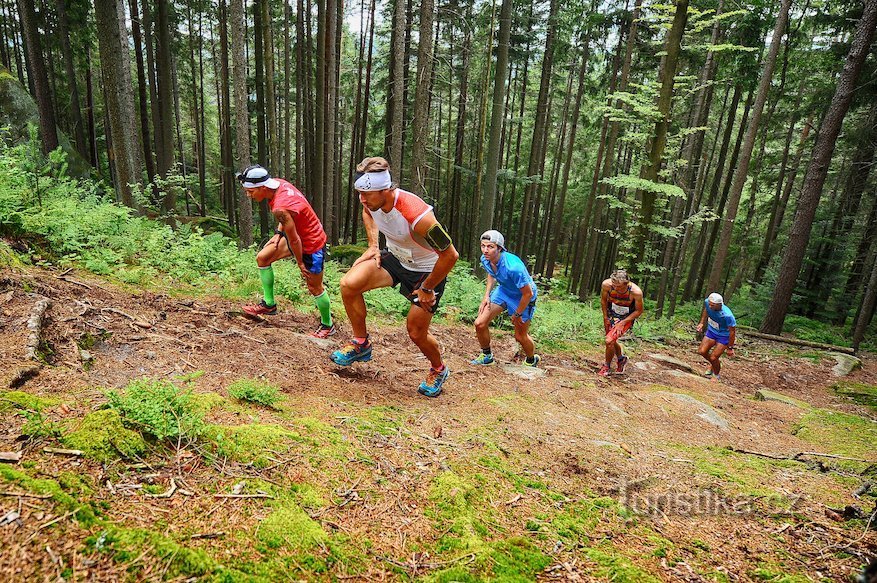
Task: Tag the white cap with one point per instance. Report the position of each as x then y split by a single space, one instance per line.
494 237
256 176
715 298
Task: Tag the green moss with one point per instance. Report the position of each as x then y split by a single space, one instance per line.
102 437
612 566
206 402
289 527
325 441
455 499
776 575
253 443
82 512
125 545
861 393
20 399
381 419
838 433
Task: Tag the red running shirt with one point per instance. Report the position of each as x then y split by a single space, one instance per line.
310 229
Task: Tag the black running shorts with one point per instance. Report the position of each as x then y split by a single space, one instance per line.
408 280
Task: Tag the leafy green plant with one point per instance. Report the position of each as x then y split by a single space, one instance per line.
158 408
255 391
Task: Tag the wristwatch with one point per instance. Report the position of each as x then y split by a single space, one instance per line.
278 232
428 290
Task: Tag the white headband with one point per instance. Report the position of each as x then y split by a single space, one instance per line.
371 181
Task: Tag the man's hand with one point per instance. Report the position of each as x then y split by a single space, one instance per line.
700 327
370 253
606 324
305 274
276 239
517 319
424 298
730 352
485 304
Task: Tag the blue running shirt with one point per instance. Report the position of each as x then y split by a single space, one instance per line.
511 274
719 320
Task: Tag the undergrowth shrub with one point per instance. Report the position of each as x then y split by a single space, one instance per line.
255 391
158 408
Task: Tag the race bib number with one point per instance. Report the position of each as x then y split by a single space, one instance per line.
620 310
402 254
714 324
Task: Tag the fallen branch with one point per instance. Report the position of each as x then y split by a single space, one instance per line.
796 342
11 456
167 493
73 281
798 456
35 326
243 496
26 495
207 535
76 452
137 322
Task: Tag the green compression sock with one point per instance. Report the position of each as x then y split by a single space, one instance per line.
266 274
323 305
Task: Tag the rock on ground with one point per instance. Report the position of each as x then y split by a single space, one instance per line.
846 364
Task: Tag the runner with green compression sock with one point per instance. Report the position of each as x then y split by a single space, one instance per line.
299 234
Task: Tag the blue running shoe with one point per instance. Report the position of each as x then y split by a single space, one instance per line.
483 360
353 352
432 386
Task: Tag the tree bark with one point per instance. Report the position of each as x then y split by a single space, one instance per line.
818 169
742 171
242 119
37 73
397 89
420 121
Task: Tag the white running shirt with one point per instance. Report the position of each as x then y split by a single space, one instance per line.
412 250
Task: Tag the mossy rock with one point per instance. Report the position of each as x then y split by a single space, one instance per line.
102 437
861 393
347 254
838 433
19 399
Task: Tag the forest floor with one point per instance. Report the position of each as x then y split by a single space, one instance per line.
657 474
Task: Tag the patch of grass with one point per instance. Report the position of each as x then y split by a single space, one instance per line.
612 566
38 426
325 441
102 437
838 433
776 575
861 393
381 419
158 408
255 391
10 400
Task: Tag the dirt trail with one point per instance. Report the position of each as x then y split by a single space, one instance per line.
537 450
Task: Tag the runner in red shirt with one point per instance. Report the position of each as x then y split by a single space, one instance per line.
299 233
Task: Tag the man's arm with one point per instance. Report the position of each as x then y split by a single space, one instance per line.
526 296
447 256
637 294
485 303
604 303
371 233
702 322
732 337
287 225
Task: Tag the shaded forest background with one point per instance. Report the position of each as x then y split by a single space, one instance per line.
707 146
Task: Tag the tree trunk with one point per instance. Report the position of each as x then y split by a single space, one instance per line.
113 45
817 170
420 122
748 145
141 92
659 141
242 119
164 63
497 117
540 130
36 69
397 89
866 311
75 106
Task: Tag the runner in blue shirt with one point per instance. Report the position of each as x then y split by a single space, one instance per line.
513 291
721 332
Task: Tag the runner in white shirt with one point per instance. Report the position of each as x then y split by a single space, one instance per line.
418 258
